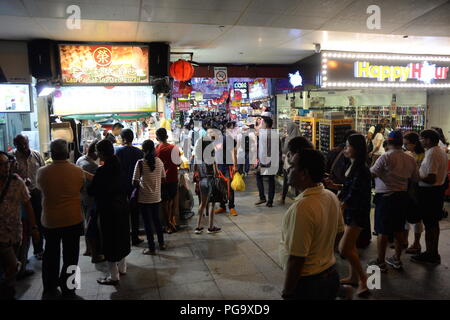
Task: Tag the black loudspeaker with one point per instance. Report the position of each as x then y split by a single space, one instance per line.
42 59
159 59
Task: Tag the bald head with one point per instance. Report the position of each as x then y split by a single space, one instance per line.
59 149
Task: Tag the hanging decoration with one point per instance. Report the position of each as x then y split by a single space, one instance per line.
181 70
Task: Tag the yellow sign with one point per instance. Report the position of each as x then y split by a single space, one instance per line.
364 69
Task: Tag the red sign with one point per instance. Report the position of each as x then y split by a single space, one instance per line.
184 105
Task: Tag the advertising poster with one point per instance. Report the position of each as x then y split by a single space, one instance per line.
96 64
258 89
15 98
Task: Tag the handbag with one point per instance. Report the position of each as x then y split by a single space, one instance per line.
135 193
219 190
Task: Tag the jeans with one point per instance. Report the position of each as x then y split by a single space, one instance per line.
52 276
225 169
324 286
150 213
36 203
244 167
260 183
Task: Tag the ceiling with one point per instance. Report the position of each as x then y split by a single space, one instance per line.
239 31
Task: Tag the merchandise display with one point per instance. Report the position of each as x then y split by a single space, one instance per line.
332 133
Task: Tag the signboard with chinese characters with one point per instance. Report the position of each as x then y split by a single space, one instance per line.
343 69
221 76
15 98
103 100
104 64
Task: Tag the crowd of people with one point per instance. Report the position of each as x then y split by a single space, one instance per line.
109 188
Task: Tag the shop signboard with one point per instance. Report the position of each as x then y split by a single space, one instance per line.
258 89
15 98
184 105
346 69
242 87
104 64
101 100
221 76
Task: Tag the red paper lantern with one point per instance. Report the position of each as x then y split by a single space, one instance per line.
181 70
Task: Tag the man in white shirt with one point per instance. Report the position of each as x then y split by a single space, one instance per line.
392 172
309 231
433 173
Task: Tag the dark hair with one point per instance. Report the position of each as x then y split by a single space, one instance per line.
378 129
149 149
106 148
18 137
348 133
314 162
431 134
59 149
161 134
268 121
358 143
117 125
413 137
441 135
92 146
127 135
298 144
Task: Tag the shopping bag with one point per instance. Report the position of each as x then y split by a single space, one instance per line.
238 183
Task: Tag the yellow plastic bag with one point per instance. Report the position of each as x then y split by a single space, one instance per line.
238 183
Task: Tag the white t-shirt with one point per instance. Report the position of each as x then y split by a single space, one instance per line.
435 162
309 230
149 181
378 137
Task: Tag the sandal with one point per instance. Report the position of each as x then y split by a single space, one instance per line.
108 281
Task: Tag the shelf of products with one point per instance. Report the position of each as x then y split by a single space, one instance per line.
332 133
308 128
409 118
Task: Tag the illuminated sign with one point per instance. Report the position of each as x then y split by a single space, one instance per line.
295 79
424 72
102 64
242 87
345 69
15 98
102 100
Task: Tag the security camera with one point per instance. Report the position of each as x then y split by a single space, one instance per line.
317 47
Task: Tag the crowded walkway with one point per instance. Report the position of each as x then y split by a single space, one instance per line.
241 262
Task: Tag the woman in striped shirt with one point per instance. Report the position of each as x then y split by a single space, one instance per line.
148 174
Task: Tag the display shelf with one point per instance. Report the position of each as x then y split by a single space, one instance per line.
308 128
332 133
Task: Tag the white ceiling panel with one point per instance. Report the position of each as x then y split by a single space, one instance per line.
299 22
179 35
12 8
273 7
198 16
319 8
20 28
211 5
91 30
121 10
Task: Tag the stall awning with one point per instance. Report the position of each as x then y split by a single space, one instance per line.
104 117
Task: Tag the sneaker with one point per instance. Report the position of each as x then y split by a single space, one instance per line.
214 230
198 230
381 265
394 262
260 202
220 210
233 212
427 258
269 204
150 252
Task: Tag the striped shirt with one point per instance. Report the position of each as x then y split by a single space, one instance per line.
149 181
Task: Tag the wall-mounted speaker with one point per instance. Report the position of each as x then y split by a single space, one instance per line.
159 59
42 58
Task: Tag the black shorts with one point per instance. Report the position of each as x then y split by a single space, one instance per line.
390 212
169 191
431 201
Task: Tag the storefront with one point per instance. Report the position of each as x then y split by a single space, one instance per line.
358 90
101 85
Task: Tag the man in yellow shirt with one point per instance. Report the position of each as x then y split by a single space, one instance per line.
309 231
61 183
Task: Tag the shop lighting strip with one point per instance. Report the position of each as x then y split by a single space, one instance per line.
349 55
383 85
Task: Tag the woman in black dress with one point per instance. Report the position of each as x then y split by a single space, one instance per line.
355 196
112 209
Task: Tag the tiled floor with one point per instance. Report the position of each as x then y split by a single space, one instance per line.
239 263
